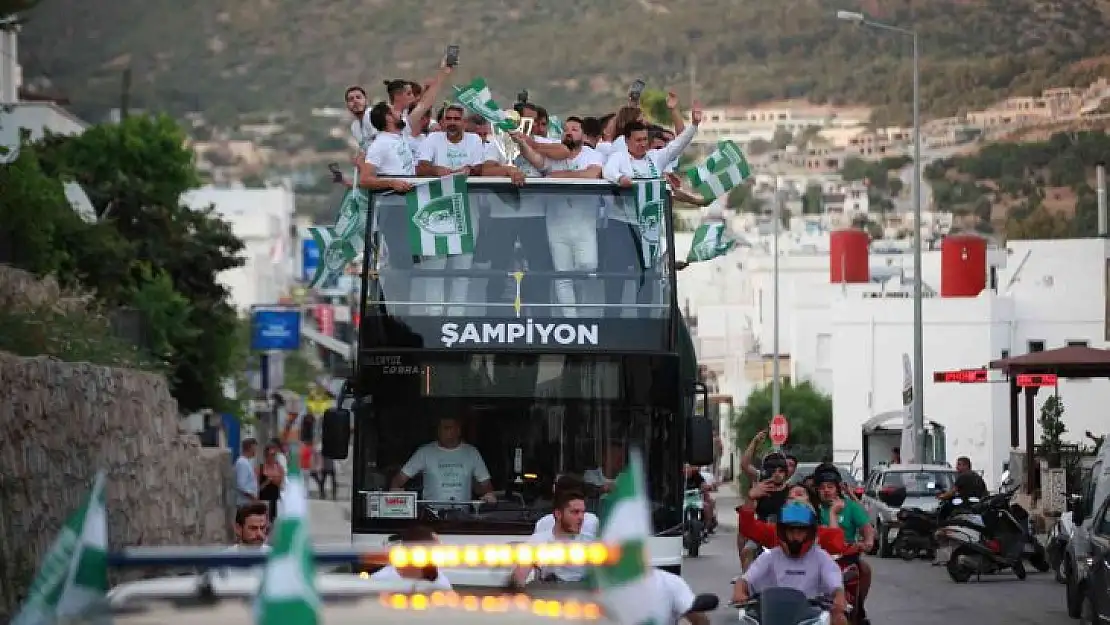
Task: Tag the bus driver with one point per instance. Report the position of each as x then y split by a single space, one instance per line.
450 467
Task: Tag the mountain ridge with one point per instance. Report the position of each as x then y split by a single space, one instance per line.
252 56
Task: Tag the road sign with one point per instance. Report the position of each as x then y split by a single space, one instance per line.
310 258
780 429
961 376
1026 380
275 328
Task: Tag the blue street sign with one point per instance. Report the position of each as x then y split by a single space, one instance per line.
275 328
310 258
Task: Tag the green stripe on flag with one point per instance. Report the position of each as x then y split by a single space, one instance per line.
724 169
440 223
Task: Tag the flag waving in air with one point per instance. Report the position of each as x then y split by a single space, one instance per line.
725 168
626 587
340 244
439 218
73 578
287 594
478 99
710 241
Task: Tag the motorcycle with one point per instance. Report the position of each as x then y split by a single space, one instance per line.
694 530
916 529
849 568
783 606
1033 551
1058 539
990 537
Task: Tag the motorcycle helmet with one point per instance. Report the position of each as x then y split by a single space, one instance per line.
797 515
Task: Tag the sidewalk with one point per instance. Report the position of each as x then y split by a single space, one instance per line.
330 520
727 499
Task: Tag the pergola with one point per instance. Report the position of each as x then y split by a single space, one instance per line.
1064 362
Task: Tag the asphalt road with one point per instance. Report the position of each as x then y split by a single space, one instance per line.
905 593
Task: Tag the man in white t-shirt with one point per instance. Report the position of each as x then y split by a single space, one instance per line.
621 238
572 219
450 467
451 151
568 483
569 513
480 126
429 574
358 107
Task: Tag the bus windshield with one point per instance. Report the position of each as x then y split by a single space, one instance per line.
548 249
473 443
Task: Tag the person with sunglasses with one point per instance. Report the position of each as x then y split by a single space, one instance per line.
773 473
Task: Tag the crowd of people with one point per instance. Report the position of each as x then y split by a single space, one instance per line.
404 136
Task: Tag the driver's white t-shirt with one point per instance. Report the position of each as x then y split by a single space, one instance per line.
449 474
815 574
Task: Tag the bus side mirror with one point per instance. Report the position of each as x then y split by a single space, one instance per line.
336 433
699 441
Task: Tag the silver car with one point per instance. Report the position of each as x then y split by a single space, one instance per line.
923 482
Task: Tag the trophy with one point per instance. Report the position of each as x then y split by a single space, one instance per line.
505 145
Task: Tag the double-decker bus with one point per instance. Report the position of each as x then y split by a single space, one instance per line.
540 371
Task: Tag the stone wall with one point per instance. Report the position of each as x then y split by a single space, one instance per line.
59 423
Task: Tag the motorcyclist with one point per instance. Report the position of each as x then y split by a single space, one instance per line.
837 499
774 474
696 481
796 563
830 538
969 484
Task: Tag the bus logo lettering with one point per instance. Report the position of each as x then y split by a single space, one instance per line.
527 333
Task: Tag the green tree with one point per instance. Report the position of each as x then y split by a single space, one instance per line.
808 411
135 173
1053 428
812 200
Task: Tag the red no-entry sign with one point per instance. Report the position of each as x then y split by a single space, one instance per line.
780 430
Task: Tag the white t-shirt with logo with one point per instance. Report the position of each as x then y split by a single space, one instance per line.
590 524
621 164
391 154
363 131
575 205
440 151
449 474
390 574
815 574
562 573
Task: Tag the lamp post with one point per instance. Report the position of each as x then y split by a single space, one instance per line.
918 345
776 383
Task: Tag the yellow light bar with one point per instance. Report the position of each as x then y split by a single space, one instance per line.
451 600
523 554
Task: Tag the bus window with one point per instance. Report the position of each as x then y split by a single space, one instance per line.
548 249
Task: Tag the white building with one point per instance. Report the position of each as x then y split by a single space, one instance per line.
17 115
848 339
263 219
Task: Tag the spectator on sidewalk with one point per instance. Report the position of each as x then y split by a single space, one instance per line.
326 469
271 478
246 480
252 527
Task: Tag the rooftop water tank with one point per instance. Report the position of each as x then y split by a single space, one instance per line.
963 265
848 256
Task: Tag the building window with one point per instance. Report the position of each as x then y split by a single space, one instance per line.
1036 346
1077 344
1005 354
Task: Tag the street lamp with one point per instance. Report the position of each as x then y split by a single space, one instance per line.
918 345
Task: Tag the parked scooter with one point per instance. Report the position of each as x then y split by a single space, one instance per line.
783 606
916 529
694 530
987 539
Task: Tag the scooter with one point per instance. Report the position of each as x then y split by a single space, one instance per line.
1033 551
977 551
916 529
694 531
783 606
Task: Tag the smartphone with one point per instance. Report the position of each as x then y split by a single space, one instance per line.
636 91
526 125
452 56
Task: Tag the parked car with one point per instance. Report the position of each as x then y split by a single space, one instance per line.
923 482
1079 554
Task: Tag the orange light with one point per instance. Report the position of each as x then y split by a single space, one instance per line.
573 609
499 555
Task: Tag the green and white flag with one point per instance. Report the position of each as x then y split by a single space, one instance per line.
650 213
440 223
555 128
724 169
287 594
477 98
710 241
627 591
341 244
72 580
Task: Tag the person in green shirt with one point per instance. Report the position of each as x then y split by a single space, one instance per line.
853 519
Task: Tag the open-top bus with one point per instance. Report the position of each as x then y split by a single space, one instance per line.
543 371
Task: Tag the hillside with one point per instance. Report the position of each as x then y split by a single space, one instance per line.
227 58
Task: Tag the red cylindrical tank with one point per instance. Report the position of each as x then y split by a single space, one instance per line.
848 256
963 265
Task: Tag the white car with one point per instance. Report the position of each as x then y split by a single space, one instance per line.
923 482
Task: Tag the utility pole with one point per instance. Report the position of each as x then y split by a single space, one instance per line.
693 64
